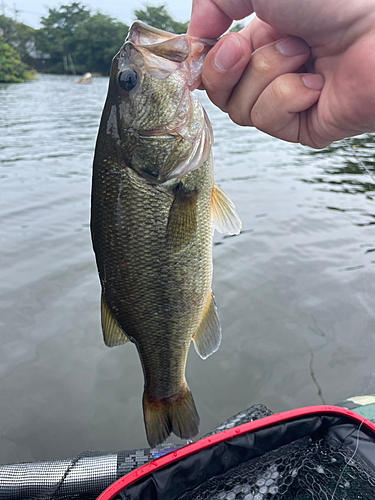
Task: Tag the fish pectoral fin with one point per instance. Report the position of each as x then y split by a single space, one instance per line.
224 216
207 338
182 219
112 333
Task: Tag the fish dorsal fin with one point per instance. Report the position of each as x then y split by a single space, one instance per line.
207 338
182 219
112 333
224 216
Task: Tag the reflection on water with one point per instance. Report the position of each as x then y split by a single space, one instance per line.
350 167
294 290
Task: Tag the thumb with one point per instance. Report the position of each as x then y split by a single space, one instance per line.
224 66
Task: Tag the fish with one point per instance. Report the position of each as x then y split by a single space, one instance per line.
154 209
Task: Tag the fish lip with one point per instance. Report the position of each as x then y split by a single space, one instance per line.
147 37
141 26
166 34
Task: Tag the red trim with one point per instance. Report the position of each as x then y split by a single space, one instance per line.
308 411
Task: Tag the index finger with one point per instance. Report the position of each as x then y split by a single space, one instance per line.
211 18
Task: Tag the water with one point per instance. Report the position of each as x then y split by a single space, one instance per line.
295 290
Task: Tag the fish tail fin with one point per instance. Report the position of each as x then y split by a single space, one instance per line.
176 414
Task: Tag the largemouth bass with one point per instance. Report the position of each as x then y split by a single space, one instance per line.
154 208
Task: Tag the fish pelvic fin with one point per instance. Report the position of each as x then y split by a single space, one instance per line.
207 337
176 414
182 219
224 216
112 334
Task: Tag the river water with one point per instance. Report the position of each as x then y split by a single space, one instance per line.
295 290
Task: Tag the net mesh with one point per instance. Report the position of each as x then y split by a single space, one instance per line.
302 470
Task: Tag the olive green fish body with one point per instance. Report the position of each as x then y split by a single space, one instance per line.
154 208
155 289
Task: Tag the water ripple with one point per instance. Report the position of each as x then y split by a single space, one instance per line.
299 278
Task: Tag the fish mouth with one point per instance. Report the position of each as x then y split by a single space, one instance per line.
160 54
179 49
142 34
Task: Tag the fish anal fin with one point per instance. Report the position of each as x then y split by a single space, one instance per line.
176 414
224 216
182 219
207 338
112 333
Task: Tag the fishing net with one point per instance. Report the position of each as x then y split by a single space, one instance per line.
318 457
323 453
303 470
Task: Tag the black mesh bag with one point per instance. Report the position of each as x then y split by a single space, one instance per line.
315 453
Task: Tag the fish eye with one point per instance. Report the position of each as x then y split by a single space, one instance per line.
128 79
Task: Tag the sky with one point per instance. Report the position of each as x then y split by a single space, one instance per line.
30 11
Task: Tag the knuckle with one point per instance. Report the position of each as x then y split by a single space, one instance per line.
210 84
237 116
282 89
260 63
220 99
258 118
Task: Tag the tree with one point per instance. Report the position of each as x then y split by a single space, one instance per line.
91 39
19 35
12 70
96 42
57 35
8 29
159 17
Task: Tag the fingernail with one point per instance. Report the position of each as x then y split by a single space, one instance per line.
228 55
292 47
313 82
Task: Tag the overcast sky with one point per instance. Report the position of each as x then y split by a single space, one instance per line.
30 11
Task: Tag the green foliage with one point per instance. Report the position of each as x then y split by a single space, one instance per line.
57 35
92 40
12 70
25 42
19 35
158 17
9 29
96 42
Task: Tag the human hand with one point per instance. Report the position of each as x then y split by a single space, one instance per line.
302 71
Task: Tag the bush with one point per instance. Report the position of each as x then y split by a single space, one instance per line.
12 70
